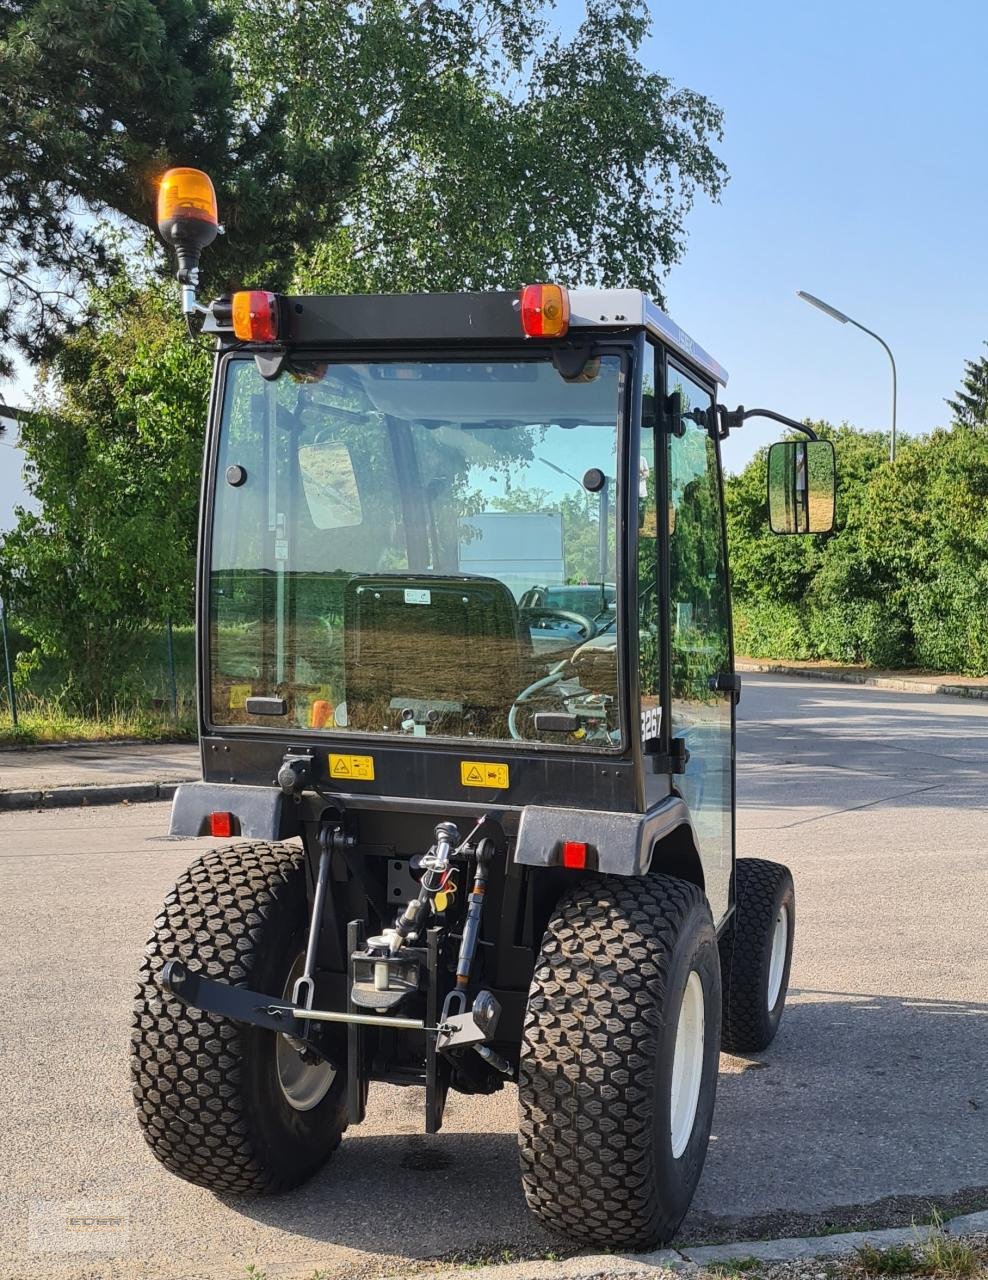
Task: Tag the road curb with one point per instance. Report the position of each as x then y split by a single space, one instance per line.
968 1224
616 1265
83 796
901 684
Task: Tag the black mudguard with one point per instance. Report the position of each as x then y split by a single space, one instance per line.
259 813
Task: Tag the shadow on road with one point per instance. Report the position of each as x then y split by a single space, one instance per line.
863 1100
840 747
466 1188
829 787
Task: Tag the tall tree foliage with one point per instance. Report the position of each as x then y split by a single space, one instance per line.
100 97
378 145
382 145
970 406
492 149
113 457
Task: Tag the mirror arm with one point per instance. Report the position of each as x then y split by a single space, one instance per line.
776 417
719 420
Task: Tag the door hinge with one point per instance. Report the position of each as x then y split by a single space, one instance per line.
726 682
671 419
674 760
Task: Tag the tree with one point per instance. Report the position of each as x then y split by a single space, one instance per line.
113 463
98 99
765 566
774 579
373 146
903 578
921 546
970 408
492 151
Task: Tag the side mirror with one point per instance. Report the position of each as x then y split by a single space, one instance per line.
802 485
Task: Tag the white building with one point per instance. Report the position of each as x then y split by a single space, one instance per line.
12 490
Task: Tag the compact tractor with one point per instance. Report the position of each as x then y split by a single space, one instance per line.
467 718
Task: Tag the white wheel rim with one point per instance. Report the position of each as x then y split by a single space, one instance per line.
303 1083
687 1065
777 962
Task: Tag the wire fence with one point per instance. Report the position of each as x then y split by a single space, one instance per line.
150 693
11 695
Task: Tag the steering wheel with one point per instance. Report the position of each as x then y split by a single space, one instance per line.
555 675
529 615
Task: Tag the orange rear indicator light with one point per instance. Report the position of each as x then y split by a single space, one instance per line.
255 315
185 193
544 310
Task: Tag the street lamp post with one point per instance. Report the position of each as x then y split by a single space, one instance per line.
844 319
603 499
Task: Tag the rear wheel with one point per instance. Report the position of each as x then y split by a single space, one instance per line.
234 1108
619 1060
756 955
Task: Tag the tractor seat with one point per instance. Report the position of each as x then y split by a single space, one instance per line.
444 651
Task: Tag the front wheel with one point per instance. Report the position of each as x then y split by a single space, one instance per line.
756 954
234 1108
619 1060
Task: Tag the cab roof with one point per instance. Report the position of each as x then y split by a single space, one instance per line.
318 319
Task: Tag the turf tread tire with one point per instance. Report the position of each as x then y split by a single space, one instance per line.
189 1070
745 953
588 1059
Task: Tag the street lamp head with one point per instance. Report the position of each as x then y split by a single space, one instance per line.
823 306
840 316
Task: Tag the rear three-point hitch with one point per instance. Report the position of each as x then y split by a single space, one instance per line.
403 979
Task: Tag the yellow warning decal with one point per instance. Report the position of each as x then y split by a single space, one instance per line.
239 693
481 773
354 768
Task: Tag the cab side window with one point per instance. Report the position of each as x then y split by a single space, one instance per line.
698 606
701 714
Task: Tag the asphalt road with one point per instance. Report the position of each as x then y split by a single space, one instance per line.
876 1087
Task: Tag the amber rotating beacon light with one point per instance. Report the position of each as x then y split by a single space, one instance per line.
188 220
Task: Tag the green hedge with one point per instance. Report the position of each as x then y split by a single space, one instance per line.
903 579
767 629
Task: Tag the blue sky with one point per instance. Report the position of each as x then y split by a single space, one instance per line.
855 135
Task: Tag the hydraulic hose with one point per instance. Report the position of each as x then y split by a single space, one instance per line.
471 927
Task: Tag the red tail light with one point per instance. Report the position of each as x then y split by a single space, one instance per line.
544 310
575 854
221 824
